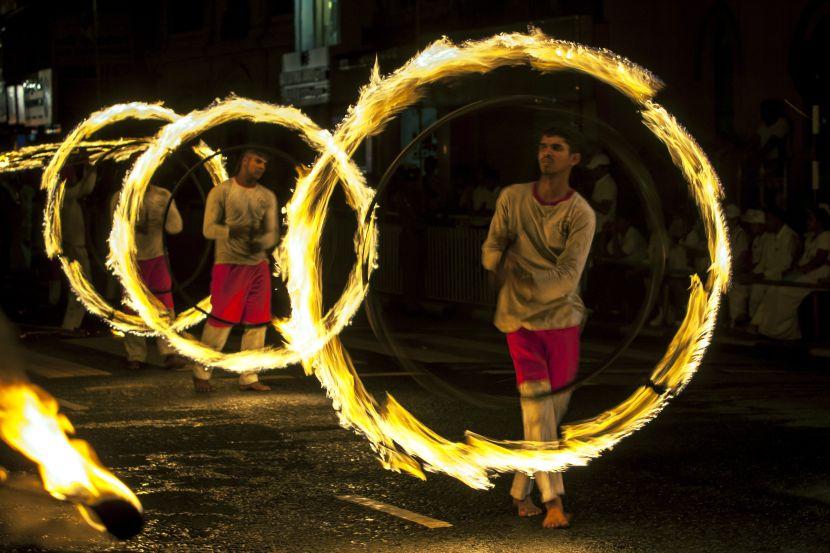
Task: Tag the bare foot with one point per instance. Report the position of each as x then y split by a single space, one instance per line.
526 507
255 386
556 517
202 386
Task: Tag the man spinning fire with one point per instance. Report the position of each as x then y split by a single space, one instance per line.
241 216
537 245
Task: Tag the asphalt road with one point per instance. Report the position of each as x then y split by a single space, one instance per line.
733 464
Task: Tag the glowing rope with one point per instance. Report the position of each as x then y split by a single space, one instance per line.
55 189
37 157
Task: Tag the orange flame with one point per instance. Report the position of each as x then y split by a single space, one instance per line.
31 424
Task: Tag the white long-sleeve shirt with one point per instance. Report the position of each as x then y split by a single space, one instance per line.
233 205
73 228
548 242
150 244
778 252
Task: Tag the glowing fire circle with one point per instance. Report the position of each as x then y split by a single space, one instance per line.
400 438
298 344
55 190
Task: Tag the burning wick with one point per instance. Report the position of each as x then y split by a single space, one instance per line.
118 516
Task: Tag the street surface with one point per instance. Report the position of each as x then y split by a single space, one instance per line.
733 464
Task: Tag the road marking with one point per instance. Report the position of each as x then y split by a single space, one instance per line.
72 406
47 366
424 354
117 387
395 511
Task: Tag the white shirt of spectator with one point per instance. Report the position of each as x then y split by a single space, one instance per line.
780 129
605 189
812 244
634 245
484 198
777 253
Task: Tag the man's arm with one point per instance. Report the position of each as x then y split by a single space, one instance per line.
173 224
270 230
498 236
83 187
562 279
213 226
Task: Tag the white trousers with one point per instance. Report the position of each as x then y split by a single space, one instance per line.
75 310
540 418
756 296
216 336
136 347
738 297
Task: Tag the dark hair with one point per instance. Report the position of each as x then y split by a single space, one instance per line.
777 212
821 215
257 152
569 135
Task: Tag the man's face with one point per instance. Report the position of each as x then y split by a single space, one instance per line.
254 165
555 156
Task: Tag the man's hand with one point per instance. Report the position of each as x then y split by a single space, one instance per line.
523 284
239 232
522 280
253 246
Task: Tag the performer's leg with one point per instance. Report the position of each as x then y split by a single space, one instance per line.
252 338
527 352
562 348
257 311
550 412
136 348
215 338
75 311
534 412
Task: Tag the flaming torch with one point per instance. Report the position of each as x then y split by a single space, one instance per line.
31 424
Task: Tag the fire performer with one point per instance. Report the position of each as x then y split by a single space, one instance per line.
536 248
241 216
153 267
74 236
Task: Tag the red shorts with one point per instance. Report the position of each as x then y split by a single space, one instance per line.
240 293
156 276
545 354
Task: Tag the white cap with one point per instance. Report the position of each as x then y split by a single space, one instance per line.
732 211
754 216
599 159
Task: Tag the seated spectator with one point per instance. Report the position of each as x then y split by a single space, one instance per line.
621 289
626 243
672 301
486 192
739 240
697 247
755 222
777 315
604 194
779 247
